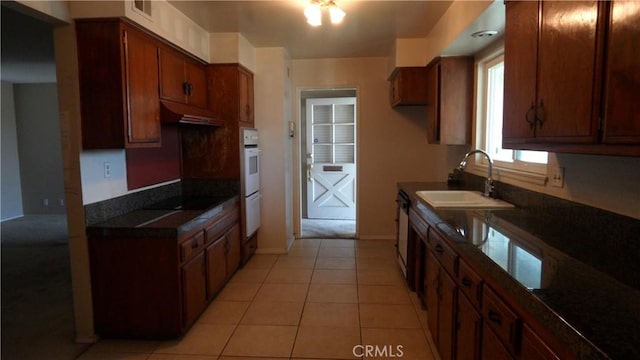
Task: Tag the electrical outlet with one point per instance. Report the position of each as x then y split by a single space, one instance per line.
60 202
45 202
557 177
107 169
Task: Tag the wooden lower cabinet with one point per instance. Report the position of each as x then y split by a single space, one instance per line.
441 307
533 348
468 330
216 266
155 288
467 318
492 348
194 289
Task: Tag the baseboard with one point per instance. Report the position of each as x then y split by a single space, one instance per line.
12 218
271 251
377 237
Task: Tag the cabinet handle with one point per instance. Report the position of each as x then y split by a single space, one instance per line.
540 118
439 249
530 116
194 245
466 282
494 317
185 88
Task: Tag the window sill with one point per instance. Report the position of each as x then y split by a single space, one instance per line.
501 173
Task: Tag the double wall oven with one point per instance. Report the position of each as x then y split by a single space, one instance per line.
250 181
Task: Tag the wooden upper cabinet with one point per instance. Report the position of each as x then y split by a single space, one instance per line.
549 94
118 76
566 89
182 79
449 100
622 75
408 86
582 98
520 62
231 95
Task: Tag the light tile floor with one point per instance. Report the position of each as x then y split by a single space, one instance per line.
318 302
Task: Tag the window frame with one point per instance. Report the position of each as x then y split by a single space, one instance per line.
535 173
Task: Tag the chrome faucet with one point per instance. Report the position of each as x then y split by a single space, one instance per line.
488 183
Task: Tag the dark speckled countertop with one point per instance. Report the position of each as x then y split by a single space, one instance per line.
171 217
557 267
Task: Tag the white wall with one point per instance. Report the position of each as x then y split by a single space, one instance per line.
40 149
392 144
11 195
272 108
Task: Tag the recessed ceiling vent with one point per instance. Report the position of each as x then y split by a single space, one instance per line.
483 34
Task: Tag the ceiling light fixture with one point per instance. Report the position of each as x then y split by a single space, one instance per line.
313 12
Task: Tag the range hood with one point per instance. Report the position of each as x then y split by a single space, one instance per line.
177 113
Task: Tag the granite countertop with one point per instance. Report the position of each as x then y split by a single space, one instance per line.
562 273
169 218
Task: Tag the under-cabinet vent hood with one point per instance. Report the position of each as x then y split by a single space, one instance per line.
177 113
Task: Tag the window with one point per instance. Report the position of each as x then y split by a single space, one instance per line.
491 91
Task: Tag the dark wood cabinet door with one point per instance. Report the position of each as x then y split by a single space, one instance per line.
196 77
172 75
234 249
432 284
533 348
216 266
194 289
433 104
622 75
447 316
520 62
245 97
141 64
468 330
566 91
492 348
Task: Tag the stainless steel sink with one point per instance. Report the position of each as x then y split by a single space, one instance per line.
460 199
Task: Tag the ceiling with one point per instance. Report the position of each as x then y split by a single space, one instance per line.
368 30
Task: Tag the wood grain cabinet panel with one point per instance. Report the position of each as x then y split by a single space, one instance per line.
468 330
231 95
118 73
441 296
622 75
194 289
449 100
182 79
407 86
216 257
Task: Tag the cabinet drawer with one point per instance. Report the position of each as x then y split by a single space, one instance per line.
470 283
445 254
504 322
218 227
191 246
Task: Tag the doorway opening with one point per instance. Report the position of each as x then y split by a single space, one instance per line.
328 163
37 302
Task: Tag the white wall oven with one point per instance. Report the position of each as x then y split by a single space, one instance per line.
251 181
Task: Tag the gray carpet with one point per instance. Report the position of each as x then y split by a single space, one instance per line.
37 310
327 229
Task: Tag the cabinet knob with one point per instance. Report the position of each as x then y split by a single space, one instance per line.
540 116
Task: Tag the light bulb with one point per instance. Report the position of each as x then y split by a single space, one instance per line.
313 13
336 14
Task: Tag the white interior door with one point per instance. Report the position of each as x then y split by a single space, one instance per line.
331 158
